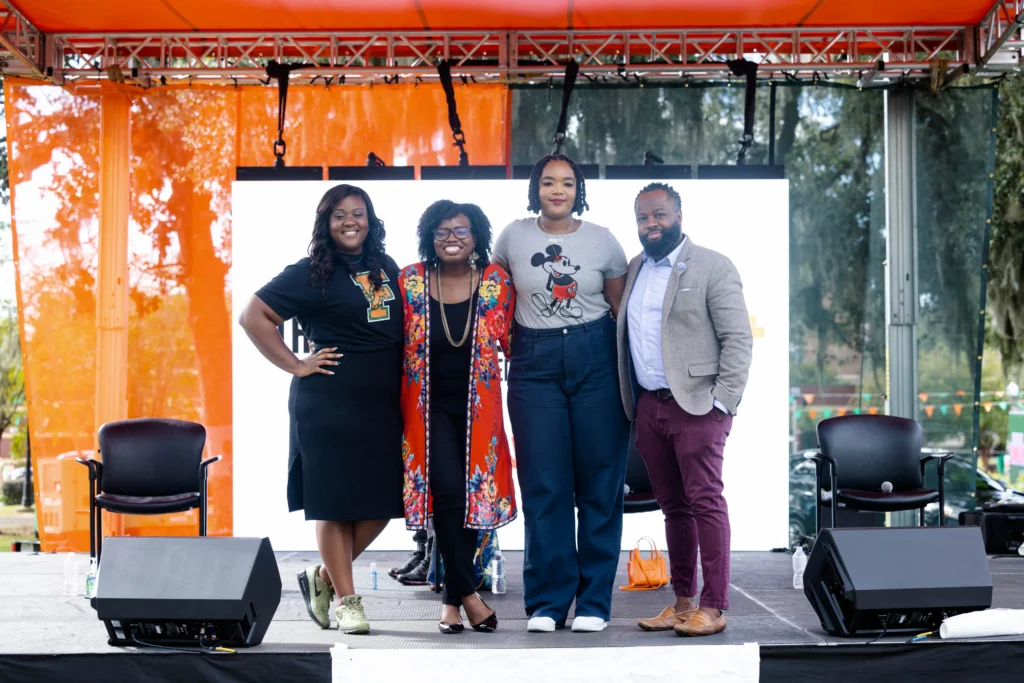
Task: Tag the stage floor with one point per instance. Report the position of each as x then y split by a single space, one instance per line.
36 618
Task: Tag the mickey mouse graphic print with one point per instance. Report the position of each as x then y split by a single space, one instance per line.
562 276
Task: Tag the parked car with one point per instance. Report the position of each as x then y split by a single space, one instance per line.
14 474
987 491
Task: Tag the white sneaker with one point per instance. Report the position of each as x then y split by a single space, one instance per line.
588 624
540 625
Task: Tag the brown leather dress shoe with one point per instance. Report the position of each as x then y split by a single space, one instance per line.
700 624
665 621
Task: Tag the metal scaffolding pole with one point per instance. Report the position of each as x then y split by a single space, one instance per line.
901 265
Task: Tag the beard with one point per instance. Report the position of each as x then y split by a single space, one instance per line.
670 239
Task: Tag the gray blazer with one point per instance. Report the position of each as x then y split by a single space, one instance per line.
706 339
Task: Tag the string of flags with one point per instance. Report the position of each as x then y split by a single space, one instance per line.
923 396
929 409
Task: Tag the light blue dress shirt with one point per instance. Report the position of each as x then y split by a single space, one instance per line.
644 311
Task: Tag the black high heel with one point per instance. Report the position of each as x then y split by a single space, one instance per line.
488 625
450 629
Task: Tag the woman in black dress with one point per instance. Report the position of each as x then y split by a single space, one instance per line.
345 459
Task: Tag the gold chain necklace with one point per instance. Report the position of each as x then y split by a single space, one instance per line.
469 313
555 237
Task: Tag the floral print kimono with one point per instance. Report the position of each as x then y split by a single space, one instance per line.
490 495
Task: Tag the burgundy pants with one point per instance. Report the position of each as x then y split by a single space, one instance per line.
683 454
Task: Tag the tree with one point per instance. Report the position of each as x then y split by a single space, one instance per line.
1006 267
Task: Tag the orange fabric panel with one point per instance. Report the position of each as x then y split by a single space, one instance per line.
403 124
185 144
301 15
888 13
179 355
689 14
179 259
54 142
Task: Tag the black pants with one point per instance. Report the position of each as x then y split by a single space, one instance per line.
455 543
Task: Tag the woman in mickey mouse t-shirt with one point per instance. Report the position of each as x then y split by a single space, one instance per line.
570 432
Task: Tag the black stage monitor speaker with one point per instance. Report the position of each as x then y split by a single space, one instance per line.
656 172
286 173
1002 527
524 171
360 173
462 173
197 591
896 579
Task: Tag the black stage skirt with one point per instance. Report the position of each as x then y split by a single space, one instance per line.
345 445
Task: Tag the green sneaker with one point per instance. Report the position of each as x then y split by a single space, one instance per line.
351 617
317 594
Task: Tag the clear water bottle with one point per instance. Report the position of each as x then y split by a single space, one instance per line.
498 584
90 579
799 564
70 575
373 575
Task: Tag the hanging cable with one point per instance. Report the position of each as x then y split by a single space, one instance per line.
572 69
281 72
748 69
444 70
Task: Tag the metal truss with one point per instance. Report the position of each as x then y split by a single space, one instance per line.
998 36
662 54
635 55
20 41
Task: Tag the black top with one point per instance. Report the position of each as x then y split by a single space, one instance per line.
449 365
347 313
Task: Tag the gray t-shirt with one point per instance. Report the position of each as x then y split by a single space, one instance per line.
559 279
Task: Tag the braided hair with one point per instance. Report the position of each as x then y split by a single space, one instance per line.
324 253
579 206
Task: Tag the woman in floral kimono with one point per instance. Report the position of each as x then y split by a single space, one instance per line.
458 470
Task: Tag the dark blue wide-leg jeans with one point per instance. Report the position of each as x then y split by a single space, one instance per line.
571 441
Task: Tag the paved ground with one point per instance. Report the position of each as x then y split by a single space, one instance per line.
35 617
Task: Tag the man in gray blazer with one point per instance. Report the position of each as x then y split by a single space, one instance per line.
684 344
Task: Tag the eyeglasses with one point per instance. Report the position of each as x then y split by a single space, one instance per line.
462 234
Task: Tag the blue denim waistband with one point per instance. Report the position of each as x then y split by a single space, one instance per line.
602 324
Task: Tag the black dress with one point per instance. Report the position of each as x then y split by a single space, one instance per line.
345 445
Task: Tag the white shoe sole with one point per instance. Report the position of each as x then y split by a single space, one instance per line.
541 625
588 628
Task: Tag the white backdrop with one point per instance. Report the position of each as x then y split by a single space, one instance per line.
747 220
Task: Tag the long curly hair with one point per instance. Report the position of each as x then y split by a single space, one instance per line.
443 210
579 206
324 253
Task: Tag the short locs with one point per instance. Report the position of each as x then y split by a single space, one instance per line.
579 206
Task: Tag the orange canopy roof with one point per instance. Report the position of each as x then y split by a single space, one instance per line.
147 16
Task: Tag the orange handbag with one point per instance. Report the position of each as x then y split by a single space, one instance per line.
646 574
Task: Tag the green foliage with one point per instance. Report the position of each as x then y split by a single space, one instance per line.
837 239
10 493
12 379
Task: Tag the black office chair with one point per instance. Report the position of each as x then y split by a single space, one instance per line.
639 494
862 453
150 466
